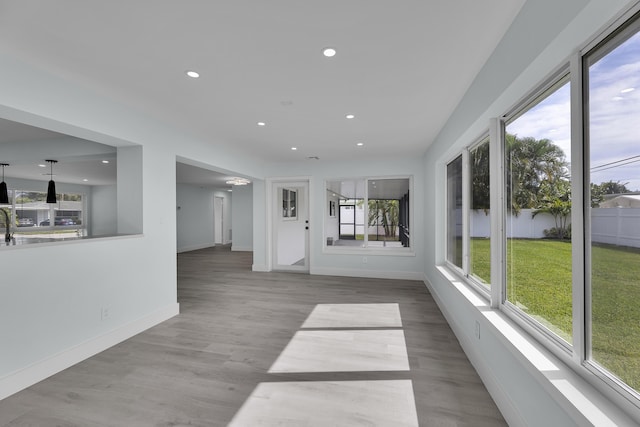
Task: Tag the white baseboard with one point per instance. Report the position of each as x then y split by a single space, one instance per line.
241 248
352 272
43 369
259 267
195 247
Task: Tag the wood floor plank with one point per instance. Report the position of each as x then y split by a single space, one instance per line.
201 367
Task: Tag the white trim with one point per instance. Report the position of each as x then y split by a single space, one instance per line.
241 248
38 371
374 274
370 251
260 267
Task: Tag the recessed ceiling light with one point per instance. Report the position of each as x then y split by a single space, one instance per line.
85 180
627 90
262 124
294 148
329 52
105 161
42 166
350 116
360 144
192 74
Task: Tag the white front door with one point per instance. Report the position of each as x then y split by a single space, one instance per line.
291 226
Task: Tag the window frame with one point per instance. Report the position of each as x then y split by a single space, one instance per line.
577 357
627 26
366 249
558 78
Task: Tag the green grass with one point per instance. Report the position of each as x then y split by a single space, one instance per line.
539 283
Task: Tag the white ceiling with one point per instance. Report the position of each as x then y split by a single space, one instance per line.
401 68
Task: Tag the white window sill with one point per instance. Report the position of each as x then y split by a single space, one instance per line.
585 404
351 250
25 243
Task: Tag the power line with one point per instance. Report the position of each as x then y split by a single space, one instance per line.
617 165
617 161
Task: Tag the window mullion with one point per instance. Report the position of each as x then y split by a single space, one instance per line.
579 190
497 211
466 197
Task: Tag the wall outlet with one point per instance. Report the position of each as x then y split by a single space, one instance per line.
104 313
477 329
364 259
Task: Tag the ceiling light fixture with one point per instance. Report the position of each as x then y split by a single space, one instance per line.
4 194
262 124
85 180
350 116
42 166
238 181
360 144
51 190
294 148
329 52
627 90
105 161
192 74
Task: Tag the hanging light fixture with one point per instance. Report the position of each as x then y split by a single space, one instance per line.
51 191
4 194
238 181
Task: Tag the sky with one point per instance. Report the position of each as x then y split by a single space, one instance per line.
614 116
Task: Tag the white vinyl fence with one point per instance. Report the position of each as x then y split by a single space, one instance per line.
615 226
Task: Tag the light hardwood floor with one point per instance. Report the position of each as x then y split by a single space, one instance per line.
252 349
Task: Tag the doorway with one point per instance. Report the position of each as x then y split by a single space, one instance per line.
290 214
218 220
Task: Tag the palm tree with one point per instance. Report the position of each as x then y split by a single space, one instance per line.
531 165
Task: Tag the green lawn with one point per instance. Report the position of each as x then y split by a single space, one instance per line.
539 282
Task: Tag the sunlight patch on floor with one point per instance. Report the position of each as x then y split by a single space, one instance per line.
330 403
344 351
338 338
354 316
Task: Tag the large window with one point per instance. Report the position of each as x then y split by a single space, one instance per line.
589 316
479 221
454 212
371 213
538 204
614 171
31 217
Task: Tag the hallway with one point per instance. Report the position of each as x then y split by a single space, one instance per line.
252 349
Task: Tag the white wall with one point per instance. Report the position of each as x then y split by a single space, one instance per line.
519 63
55 296
242 211
194 217
102 208
384 263
331 224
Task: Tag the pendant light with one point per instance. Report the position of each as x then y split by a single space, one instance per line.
4 194
51 191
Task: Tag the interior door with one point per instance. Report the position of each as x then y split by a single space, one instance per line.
291 226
